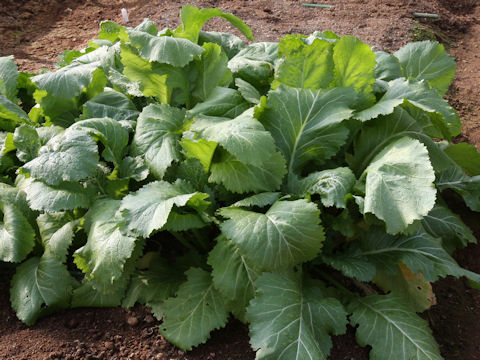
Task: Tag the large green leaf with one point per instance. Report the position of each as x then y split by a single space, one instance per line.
427 60
212 71
466 156
157 137
194 18
147 209
388 67
354 67
71 157
110 104
288 234
239 177
332 185
232 275
244 137
400 91
399 184
222 102
393 330
8 77
305 66
291 318
468 187
17 236
306 124
40 282
442 223
164 49
107 248
197 309
420 252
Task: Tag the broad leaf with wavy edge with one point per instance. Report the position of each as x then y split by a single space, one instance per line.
157 137
399 185
288 234
393 330
197 309
307 124
291 318
148 209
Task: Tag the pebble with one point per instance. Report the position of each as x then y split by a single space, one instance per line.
132 320
149 319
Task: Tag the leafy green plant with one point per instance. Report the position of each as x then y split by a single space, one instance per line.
296 185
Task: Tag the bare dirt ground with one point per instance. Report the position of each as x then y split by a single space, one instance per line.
37 31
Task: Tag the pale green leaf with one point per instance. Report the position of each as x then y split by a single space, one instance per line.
230 43
291 318
288 234
222 102
307 124
244 137
200 149
148 209
240 177
157 137
57 232
197 309
392 329
305 66
468 187
71 157
40 282
27 142
8 77
248 91
427 60
17 236
466 156
388 67
399 185
110 104
133 167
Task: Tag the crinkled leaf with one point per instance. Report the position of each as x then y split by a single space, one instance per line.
399 184
288 234
222 102
291 318
194 18
111 104
148 209
110 132
27 142
112 31
332 185
17 237
212 71
164 49
305 66
232 275
107 248
71 157
157 137
147 26
244 137
306 124
427 60
393 330
40 282
197 309
239 177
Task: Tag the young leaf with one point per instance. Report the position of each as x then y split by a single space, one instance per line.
72 157
110 104
393 330
291 318
305 66
232 275
427 60
395 180
196 310
147 209
288 234
306 124
157 137
248 91
40 281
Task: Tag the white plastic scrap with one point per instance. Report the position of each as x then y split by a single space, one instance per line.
125 15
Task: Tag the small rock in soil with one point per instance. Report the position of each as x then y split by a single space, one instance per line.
132 320
149 319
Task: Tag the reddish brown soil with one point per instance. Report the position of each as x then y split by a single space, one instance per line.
36 31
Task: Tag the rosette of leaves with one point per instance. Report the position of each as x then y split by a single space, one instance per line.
203 177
